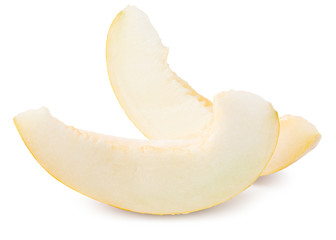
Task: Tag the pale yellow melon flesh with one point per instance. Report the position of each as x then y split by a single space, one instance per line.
297 137
159 177
161 105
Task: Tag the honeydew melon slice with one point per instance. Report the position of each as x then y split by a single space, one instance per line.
163 106
159 176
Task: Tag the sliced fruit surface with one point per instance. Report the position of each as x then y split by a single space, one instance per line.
158 102
297 137
163 106
158 176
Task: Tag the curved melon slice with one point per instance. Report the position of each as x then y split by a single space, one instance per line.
297 137
161 105
159 177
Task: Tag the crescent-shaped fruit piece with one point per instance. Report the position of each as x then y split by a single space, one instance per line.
159 177
297 137
161 105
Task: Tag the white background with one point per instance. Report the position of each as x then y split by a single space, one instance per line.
52 53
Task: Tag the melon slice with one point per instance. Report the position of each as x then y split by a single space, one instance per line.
297 137
163 106
159 176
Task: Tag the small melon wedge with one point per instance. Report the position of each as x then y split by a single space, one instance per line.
163 106
159 177
297 137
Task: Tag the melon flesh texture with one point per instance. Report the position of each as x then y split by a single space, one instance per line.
163 106
297 137
159 177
